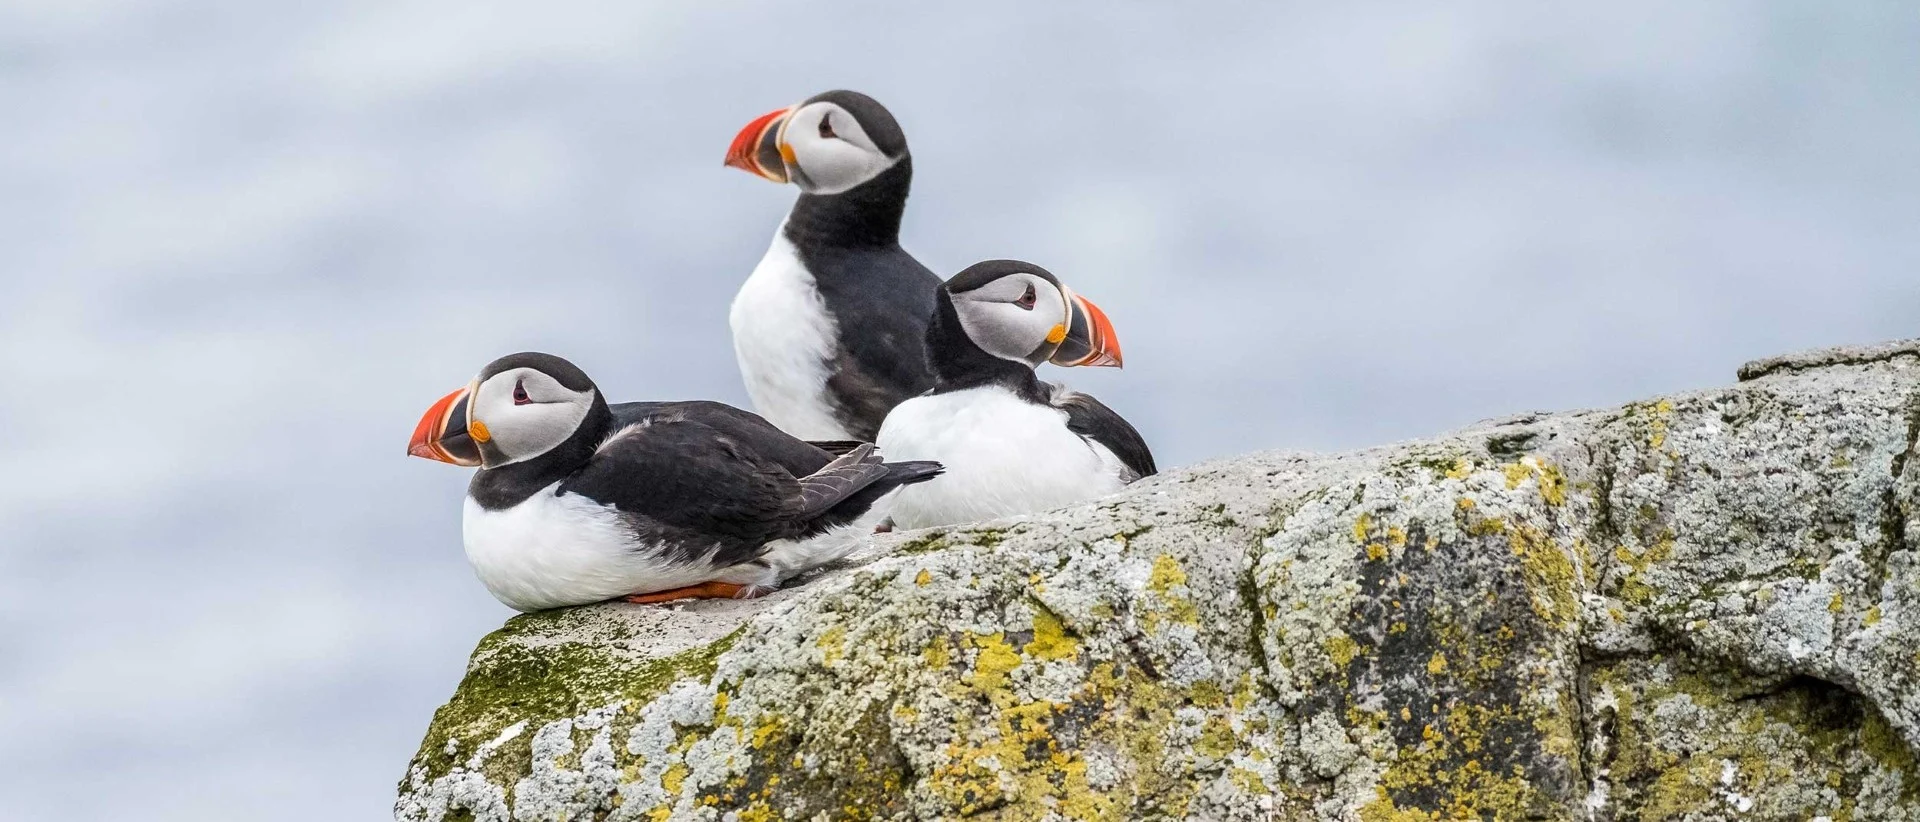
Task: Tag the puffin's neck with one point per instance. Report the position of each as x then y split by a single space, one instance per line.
865 216
510 485
958 363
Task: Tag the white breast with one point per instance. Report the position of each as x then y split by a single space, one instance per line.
1003 456
551 551
784 340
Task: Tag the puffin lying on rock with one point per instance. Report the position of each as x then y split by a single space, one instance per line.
575 503
1010 443
829 328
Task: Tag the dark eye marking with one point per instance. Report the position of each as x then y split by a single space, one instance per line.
826 126
520 394
1026 300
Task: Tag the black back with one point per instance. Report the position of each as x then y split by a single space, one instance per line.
703 481
798 457
879 295
692 489
702 495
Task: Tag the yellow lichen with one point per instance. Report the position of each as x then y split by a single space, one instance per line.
766 731
1658 422
995 661
1342 649
938 654
1248 781
1633 588
925 576
674 778
1015 767
1437 664
1553 484
1166 574
1549 574
1446 768
833 645
1050 639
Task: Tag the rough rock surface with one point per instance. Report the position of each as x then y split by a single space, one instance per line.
1703 607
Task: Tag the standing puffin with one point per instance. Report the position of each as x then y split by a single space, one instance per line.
677 500
1011 443
829 328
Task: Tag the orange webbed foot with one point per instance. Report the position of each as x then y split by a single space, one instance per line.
705 590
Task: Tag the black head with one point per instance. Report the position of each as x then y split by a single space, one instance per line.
827 144
520 407
1020 312
563 372
873 118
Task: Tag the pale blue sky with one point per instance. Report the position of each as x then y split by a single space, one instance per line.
247 243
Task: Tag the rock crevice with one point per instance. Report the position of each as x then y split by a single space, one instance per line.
1700 607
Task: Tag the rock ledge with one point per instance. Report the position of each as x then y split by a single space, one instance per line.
1701 607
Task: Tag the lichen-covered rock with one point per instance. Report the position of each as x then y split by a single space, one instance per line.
1705 607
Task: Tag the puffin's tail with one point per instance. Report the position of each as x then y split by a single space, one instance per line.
846 488
908 473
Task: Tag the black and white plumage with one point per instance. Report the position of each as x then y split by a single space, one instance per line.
575 503
830 328
1010 442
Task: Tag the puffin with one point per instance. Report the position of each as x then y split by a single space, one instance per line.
829 328
574 503
1010 442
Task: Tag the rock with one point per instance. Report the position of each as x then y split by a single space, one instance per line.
1704 607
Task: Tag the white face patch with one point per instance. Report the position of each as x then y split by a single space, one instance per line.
525 413
1014 316
832 159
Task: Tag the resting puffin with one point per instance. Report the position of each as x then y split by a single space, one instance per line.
679 500
829 328
1011 443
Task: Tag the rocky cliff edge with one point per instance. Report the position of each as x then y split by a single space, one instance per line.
1701 607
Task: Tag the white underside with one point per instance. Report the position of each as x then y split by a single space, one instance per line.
784 338
554 550
1003 456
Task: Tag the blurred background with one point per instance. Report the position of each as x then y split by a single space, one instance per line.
243 245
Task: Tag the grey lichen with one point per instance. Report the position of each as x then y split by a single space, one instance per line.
1703 607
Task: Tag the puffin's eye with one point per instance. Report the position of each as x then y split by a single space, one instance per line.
826 127
520 394
1026 300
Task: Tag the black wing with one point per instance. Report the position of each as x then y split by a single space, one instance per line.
694 488
881 300
697 488
745 427
1093 420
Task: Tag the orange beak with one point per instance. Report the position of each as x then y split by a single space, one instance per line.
1090 339
756 149
442 433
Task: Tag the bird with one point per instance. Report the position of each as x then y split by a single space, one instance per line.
829 328
1010 442
575 504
